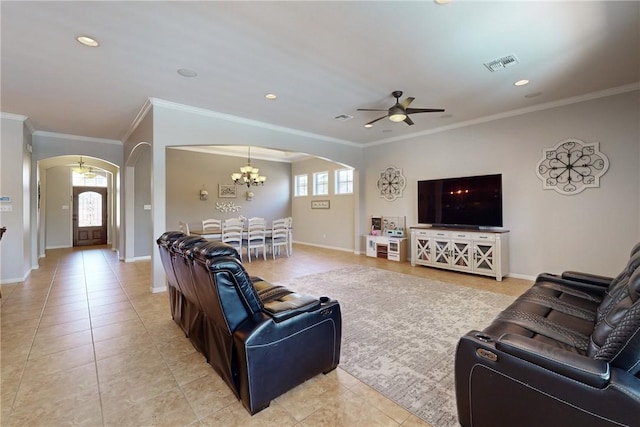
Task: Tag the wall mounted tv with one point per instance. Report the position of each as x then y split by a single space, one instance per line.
471 201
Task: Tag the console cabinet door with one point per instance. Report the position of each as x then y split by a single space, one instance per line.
461 254
442 251
422 249
484 257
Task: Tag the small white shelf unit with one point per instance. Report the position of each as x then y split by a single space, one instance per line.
387 247
483 252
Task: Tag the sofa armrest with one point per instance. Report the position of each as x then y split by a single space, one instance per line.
587 287
580 368
589 278
290 305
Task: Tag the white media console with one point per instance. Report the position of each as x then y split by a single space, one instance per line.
483 252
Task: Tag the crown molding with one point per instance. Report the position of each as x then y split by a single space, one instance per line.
146 107
77 137
547 105
255 123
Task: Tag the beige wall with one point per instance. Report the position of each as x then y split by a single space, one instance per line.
189 171
590 231
333 227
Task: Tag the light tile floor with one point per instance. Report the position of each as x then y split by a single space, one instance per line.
84 342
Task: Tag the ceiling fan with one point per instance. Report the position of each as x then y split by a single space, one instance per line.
400 111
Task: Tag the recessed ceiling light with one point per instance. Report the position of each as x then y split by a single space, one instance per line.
87 41
185 72
521 82
271 96
368 125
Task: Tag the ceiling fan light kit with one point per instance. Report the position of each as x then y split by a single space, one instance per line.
400 111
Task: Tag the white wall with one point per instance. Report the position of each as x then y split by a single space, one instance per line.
15 171
590 231
143 227
58 195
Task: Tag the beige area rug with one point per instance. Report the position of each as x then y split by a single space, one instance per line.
399 332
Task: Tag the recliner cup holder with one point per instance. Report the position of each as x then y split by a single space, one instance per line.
484 337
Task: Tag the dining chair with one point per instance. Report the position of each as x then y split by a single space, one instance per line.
256 237
279 236
232 229
184 227
211 224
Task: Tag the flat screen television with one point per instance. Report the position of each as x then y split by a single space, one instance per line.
471 201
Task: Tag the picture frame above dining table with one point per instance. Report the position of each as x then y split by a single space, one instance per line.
227 191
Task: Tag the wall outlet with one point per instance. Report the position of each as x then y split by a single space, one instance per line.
147 207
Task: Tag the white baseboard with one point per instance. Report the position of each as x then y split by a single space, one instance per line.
522 276
58 247
155 290
138 258
15 279
324 247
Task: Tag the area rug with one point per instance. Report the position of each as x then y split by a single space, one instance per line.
399 332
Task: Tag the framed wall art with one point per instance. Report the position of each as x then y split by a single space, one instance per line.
227 191
572 166
320 204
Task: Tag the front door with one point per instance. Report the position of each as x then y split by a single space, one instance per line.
89 216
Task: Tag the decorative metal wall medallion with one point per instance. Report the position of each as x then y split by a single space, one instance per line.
228 207
391 183
571 166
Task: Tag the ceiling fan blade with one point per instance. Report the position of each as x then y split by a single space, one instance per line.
424 110
373 121
408 121
369 109
407 101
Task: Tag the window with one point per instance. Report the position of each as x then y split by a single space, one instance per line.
301 185
320 183
344 181
90 209
94 179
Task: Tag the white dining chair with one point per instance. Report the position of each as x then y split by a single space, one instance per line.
279 236
211 225
232 229
184 227
256 237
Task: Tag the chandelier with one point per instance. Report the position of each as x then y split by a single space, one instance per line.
248 175
84 170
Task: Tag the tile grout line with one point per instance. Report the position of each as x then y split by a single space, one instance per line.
93 342
155 345
33 339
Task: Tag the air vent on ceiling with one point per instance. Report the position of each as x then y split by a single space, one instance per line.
343 117
500 63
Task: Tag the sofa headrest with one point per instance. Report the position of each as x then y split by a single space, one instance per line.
184 244
215 249
169 237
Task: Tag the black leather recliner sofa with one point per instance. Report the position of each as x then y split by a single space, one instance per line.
565 353
261 339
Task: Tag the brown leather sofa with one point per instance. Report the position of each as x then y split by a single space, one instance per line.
565 353
261 339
